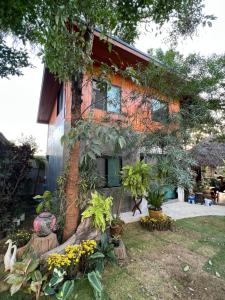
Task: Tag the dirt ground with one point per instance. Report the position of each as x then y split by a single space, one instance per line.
175 265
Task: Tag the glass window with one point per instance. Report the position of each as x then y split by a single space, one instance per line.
98 95
106 98
60 100
113 99
160 111
108 170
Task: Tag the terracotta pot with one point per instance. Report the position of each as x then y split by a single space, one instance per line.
44 224
155 213
116 229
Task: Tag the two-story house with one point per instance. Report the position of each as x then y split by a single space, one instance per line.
55 102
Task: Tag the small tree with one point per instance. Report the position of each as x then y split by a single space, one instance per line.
136 180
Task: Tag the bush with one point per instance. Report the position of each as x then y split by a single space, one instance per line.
20 237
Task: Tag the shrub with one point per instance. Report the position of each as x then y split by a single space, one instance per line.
20 237
100 210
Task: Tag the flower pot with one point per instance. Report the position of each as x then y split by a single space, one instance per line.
44 224
155 213
116 229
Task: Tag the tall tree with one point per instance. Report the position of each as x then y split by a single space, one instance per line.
65 29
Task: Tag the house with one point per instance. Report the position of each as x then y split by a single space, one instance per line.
55 101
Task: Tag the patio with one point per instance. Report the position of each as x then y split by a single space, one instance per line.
179 210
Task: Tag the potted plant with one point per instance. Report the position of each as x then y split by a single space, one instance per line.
155 200
45 202
116 240
136 179
116 227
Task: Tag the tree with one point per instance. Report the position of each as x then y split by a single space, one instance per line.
14 167
65 31
196 80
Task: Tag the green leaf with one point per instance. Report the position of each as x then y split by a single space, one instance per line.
32 265
96 255
15 288
94 280
49 291
57 277
36 276
66 290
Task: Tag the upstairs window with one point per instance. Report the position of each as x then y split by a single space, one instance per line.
109 168
60 100
107 98
160 111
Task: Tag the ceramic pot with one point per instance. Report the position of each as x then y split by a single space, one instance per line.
155 213
44 224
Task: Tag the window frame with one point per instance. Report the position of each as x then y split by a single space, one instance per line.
106 97
165 119
106 174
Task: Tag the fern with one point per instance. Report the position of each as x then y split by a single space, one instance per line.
100 210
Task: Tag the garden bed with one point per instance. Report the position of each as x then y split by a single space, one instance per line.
187 263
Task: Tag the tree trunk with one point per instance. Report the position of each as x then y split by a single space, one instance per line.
72 186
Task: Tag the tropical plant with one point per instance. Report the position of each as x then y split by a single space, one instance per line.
104 252
58 287
26 276
99 209
94 279
155 199
136 178
46 202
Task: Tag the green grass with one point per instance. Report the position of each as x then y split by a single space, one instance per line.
156 262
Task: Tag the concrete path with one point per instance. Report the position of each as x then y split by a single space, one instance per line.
179 210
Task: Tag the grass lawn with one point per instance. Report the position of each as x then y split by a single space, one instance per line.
188 263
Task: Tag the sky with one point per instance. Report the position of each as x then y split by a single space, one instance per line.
19 96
